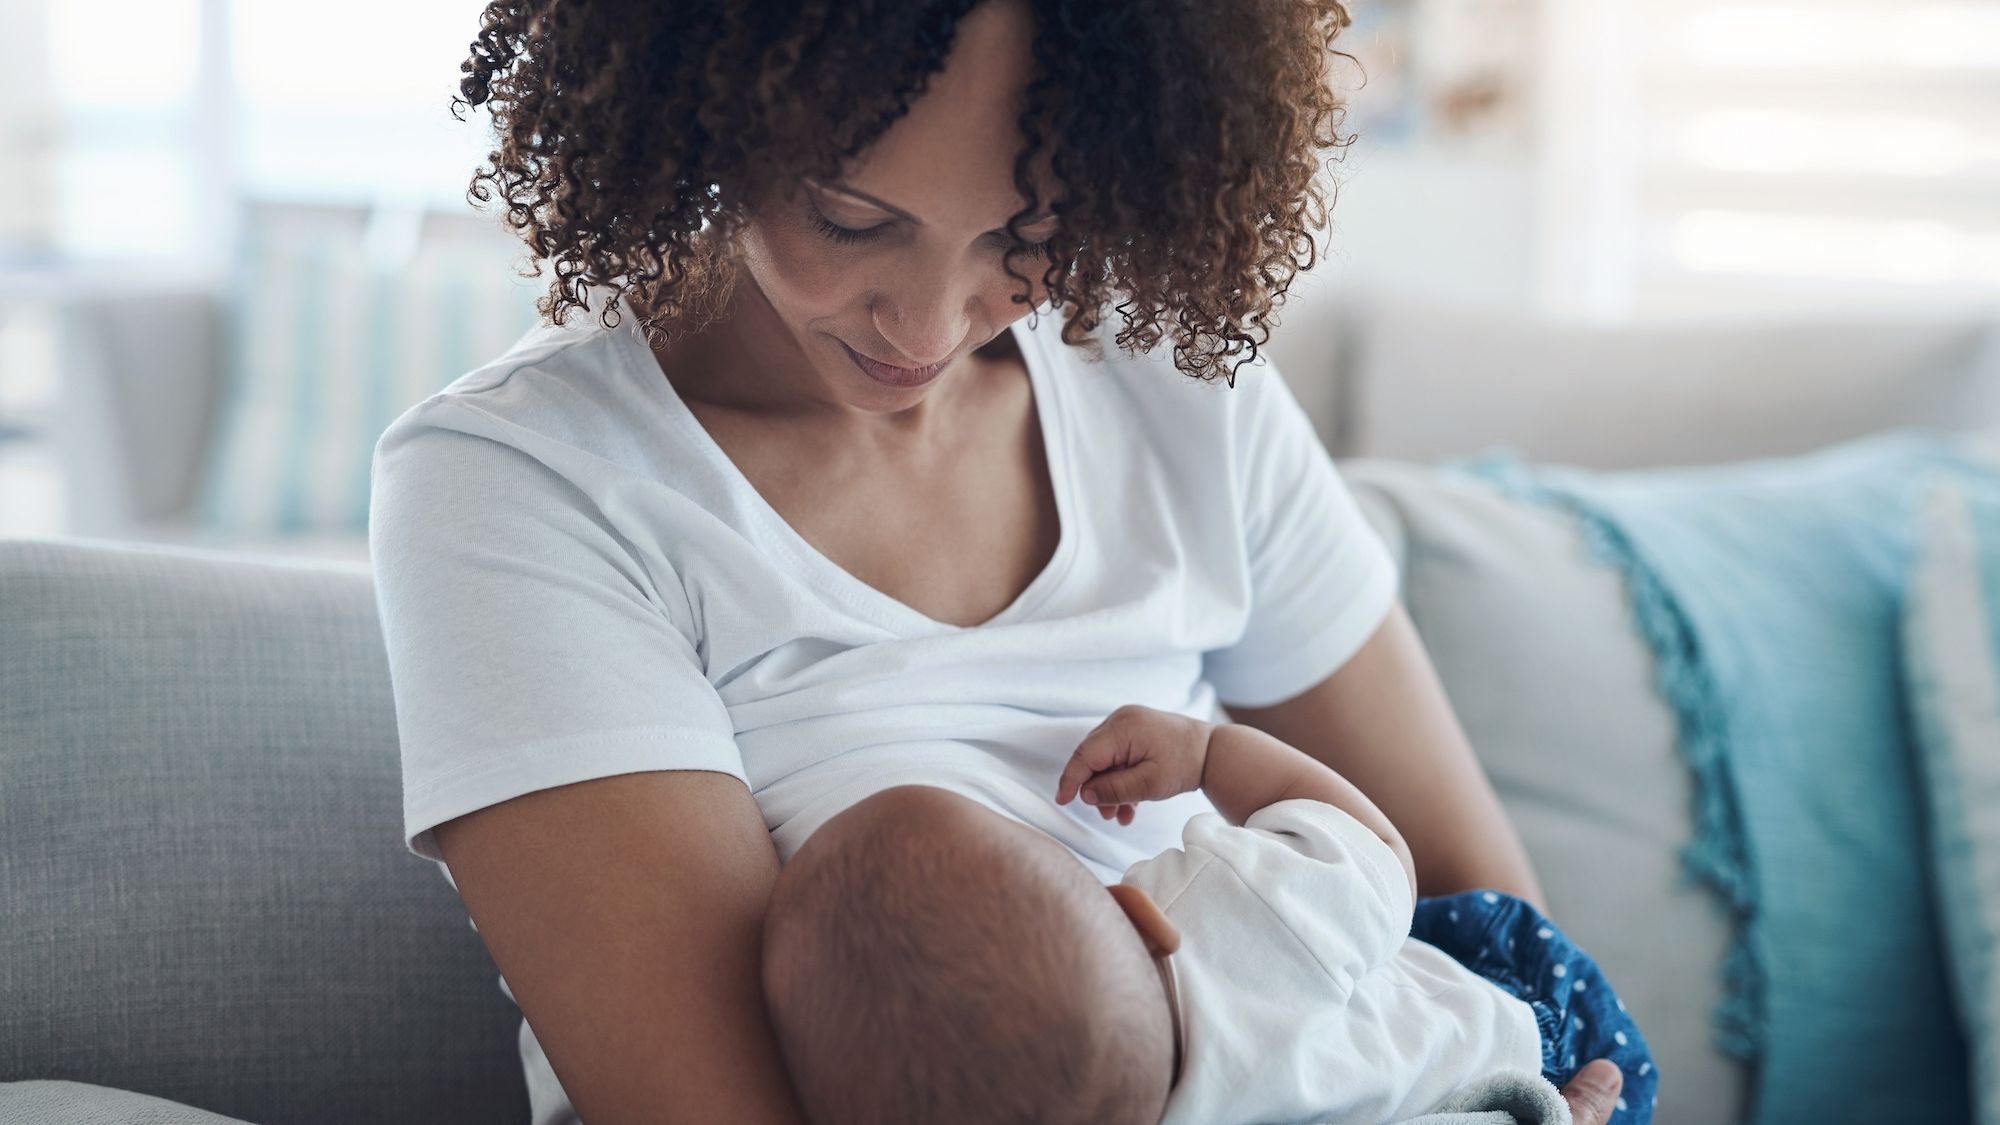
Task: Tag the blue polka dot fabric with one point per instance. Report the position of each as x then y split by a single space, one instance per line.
1507 941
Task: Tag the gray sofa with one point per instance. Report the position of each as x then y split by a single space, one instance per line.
207 898
210 904
200 848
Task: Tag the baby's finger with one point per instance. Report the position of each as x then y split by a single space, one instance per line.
1126 785
1100 750
1074 774
1126 813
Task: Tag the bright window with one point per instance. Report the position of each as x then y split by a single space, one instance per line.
1719 157
167 112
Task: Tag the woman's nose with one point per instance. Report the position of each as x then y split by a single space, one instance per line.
925 319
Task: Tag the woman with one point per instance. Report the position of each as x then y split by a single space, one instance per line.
659 602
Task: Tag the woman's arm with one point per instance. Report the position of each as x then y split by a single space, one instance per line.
627 915
1382 720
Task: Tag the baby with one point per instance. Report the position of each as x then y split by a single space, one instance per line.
929 960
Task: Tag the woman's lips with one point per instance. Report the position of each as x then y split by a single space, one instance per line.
892 375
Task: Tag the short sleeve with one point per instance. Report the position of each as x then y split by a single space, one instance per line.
1332 839
1315 871
527 646
1321 578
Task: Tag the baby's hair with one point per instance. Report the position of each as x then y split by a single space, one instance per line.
918 973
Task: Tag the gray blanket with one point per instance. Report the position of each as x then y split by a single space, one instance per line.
1501 1098
1505 1097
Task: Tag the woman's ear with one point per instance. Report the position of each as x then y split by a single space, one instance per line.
1160 935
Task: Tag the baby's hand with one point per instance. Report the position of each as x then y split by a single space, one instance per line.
1136 754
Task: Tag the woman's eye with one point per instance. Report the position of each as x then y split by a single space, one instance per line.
843 234
838 233
1040 247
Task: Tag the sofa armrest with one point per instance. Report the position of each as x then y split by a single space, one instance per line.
80 1103
142 373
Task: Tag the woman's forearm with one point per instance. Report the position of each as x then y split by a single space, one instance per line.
1382 720
626 914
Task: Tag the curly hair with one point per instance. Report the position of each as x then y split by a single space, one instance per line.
1184 136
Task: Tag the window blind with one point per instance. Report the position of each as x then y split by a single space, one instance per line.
1722 156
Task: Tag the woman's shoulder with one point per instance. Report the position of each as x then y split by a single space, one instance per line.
571 396
548 453
1115 387
548 368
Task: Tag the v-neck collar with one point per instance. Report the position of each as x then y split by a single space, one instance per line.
830 576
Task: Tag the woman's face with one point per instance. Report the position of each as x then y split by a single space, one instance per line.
900 261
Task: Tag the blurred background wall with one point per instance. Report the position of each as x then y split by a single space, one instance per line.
213 209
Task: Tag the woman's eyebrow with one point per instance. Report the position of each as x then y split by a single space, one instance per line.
841 189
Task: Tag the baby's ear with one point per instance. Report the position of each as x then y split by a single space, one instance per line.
1161 936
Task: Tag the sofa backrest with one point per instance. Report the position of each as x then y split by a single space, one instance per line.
206 890
1423 379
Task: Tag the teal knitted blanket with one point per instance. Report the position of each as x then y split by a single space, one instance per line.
1768 592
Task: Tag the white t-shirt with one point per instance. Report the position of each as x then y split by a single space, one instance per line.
575 582
1303 996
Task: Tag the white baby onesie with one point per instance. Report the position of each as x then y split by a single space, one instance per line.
1303 997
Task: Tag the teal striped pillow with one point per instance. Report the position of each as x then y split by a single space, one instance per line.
324 351
1951 635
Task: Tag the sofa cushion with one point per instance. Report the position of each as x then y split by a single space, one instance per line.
1534 643
46 1102
207 896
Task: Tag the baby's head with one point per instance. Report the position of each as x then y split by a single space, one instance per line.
926 959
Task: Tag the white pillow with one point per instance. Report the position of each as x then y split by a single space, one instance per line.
1951 660
1535 644
324 350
